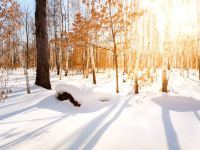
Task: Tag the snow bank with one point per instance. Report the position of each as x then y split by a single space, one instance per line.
85 93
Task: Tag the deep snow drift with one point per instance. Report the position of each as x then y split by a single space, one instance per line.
105 120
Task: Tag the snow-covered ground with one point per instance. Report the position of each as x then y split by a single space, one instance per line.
150 120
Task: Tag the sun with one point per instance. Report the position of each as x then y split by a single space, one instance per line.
184 18
178 17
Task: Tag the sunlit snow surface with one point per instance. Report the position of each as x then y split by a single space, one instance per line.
148 121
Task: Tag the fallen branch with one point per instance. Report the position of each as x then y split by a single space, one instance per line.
66 96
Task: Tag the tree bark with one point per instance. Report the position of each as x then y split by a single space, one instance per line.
114 48
199 65
93 64
164 72
136 86
67 29
27 80
42 72
87 63
27 42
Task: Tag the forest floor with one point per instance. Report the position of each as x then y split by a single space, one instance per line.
150 120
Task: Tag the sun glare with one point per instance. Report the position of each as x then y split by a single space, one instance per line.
176 16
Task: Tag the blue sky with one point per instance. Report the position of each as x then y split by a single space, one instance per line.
27 3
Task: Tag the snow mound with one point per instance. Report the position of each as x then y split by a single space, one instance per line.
85 93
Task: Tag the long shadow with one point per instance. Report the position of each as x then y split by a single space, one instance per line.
49 102
188 80
8 105
196 81
33 88
31 135
40 103
31 120
24 92
177 104
90 128
24 100
192 79
101 131
19 92
172 140
197 115
4 116
7 133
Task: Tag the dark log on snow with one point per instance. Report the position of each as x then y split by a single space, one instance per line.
66 96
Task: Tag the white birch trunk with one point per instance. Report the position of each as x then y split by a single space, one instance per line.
23 62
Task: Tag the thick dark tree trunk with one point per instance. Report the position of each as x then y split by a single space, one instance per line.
42 74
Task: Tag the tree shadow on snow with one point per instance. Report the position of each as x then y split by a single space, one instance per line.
44 102
87 137
95 138
177 104
33 134
22 90
31 102
50 103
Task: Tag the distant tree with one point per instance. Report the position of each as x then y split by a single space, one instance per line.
27 21
42 73
10 15
10 23
79 39
113 18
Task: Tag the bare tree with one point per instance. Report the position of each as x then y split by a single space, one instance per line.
27 33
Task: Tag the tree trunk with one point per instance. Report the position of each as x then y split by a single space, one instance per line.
27 42
164 80
124 72
87 63
27 80
57 50
42 72
60 64
164 72
67 29
199 65
66 63
114 49
116 67
93 64
27 53
136 86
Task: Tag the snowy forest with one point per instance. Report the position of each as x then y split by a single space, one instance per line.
100 74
